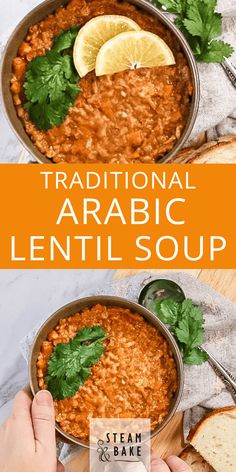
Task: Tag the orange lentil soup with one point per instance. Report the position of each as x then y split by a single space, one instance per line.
135 378
130 117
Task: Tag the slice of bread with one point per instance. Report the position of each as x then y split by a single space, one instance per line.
222 151
214 438
195 461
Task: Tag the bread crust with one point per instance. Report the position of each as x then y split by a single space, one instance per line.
195 460
192 155
206 418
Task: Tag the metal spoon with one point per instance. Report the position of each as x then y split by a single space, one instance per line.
230 70
223 373
161 289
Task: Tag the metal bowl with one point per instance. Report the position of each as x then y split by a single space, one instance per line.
39 13
77 306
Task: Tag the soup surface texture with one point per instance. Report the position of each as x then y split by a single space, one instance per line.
135 378
135 116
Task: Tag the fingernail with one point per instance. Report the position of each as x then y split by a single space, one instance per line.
44 398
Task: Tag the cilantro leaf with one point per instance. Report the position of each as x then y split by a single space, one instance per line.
46 76
195 357
70 363
200 24
49 114
66 39
188 309
186 322
89 334
173 6
189 332
168 313
51 84
64 389
90 354
216 51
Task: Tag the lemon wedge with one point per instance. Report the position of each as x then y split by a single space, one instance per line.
133 50
93 35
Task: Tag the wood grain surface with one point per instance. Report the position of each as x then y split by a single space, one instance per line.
170 440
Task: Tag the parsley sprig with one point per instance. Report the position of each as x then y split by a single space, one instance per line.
51 83
201 24
70 363
186 322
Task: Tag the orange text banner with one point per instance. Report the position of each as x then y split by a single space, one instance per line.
154 216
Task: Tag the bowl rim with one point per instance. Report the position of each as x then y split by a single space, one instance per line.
6 95
110 301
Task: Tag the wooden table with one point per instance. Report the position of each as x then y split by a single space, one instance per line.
170 440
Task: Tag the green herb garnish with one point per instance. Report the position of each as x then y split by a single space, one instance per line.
200 23
186 322
70 363
51 83
66 39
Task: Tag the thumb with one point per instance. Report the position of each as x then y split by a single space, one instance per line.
60 467
134 467
177 464
43 419
158 465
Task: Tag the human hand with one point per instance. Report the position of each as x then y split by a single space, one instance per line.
27 438
172 464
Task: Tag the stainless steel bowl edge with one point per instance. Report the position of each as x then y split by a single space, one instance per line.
78 305
40 12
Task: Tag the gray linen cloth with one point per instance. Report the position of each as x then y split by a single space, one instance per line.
203 390
217 94
217 111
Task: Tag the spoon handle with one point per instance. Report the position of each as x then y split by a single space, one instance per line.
224 374
230 70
